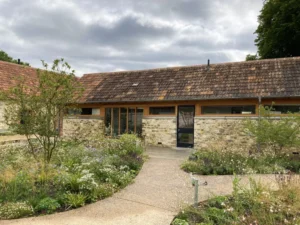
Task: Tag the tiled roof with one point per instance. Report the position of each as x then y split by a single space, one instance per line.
10 71
266 78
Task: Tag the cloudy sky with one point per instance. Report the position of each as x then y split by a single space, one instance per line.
112 35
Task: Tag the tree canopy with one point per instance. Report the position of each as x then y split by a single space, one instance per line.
278 33
36 110
5 57
250 57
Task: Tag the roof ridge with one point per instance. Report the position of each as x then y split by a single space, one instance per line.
192 66
16 64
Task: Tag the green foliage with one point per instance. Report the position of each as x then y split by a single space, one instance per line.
111 174
14 210
75 200
104 190
251 57
47 205
5 57
277 132
39 107
18 188
254 205
278 33
77 175
179 222
209 162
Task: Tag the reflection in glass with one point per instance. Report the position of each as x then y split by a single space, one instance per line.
186 117
131 120
115 122
186 138
162 110
248 109
139 118
108 121
123 122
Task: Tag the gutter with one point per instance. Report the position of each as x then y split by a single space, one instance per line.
187 99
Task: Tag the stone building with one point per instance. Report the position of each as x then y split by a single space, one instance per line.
10 75
192 106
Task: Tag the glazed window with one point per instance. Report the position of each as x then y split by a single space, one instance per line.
249 109
84 111
284 109
123 120
162 110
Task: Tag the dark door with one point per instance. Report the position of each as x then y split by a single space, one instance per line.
185 126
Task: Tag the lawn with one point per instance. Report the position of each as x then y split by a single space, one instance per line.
78 174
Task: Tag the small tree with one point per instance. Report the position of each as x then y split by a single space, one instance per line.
37 110
281 131
250 57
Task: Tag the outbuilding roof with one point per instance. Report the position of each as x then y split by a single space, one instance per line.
10 72
251 79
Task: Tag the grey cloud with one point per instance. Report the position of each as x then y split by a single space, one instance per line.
101 35
190 9
127 33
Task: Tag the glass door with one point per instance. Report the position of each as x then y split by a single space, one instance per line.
185 126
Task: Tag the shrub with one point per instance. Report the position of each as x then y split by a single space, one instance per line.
208 162
14 210
110 174
17 188
254 205
48 205
104 190
75 200
179 222
279 133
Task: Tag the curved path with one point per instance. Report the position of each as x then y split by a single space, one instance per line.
154 198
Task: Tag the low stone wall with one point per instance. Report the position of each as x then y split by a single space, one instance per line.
3 126
77 126
210 132
222 133
160 131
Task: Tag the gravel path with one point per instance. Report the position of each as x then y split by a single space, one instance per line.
157 194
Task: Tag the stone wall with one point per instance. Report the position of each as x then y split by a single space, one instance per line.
3 126
160 131
222 133
213 132
77 126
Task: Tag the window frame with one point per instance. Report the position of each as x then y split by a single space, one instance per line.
229 106
166 114
282 105
119 120
78 112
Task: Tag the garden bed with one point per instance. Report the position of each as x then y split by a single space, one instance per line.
255 205
210 162
78 174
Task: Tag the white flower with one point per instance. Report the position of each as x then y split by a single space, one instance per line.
230 209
